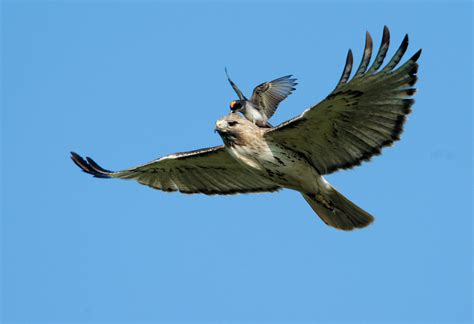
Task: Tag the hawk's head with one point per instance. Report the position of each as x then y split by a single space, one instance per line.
234 128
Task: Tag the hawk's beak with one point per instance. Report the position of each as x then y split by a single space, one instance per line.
219 125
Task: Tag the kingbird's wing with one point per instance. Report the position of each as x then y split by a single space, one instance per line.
268 95
235 87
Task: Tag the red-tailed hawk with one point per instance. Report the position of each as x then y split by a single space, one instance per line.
360 117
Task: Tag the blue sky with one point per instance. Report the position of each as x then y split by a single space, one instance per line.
112 80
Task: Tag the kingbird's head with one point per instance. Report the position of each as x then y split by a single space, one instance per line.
236 105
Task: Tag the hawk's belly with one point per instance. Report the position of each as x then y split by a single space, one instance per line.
275 162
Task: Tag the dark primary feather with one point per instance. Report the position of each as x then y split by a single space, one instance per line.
397 56
364 63
89 166
208 171
359 117
382 51
346 72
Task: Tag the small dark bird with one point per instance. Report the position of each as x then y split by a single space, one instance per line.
264 101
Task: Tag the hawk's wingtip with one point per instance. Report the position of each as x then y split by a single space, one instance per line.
416 56
89 166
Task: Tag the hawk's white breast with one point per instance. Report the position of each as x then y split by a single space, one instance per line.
277 163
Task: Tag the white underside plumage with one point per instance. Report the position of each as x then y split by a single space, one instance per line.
278 164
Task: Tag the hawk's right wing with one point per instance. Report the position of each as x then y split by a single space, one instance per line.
360 117
209 171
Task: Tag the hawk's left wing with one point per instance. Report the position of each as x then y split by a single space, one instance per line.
209 171
359 117
268 95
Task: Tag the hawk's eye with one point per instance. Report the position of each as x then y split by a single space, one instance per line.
232 123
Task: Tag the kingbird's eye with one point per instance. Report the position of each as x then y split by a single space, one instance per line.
232 123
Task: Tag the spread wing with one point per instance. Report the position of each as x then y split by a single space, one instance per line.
268 95
359 117
209 171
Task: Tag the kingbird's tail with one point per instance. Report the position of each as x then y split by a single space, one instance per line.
336 210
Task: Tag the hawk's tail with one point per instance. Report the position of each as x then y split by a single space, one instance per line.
338 211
